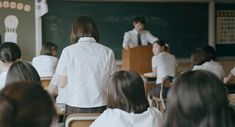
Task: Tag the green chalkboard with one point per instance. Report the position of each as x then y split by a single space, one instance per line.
183 25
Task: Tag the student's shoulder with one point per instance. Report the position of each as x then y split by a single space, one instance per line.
129 32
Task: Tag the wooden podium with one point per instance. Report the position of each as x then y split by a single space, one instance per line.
137 59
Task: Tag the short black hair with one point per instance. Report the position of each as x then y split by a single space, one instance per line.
139 19
9 52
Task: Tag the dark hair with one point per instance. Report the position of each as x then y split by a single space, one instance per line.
22 71
210 51
9 52
47 48
197 99
198 56
163 44
139 19
84 26
126 91
26 104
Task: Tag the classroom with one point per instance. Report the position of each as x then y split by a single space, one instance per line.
48 28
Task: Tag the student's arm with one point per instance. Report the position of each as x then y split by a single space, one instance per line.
151 39
231 77
126 40
61 69
154 65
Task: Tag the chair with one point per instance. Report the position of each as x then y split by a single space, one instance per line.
159 102
80 119
166 83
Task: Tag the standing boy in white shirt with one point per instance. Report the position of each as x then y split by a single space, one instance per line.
138 36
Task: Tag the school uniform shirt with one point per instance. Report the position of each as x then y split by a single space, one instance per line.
3 77
165 64
233 71
130 38
45 65
119 118
213 67
88 66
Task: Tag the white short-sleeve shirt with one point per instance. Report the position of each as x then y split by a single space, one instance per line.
213 67
130 38
3 77
45 65
119 118
165 64
88 66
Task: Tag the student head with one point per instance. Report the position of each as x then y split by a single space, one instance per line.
22 71
9 52
84 26
127 92
25 104
139 23
197 99
49 49
210 51
198 56
160 46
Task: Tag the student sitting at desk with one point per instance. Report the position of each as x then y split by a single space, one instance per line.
127 104
202 60
46 63
163 64
9 53
138 36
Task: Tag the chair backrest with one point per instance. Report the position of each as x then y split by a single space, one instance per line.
80 119
166 83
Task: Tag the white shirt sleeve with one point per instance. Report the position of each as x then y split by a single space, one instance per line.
61 68
126 40
151 38
113 64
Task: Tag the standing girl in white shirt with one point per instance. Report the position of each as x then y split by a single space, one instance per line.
127 104
85 67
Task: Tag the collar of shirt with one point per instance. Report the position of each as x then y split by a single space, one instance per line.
136 32
87 39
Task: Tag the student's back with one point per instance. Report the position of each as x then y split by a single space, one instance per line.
26 104
127 104
46 63
198 99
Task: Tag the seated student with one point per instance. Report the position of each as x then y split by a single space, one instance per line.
231 77
163 64
22 71
9 53
46 63
138 36
26 104
198 99
127 104
202 60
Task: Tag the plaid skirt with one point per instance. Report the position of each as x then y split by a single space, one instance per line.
71 110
